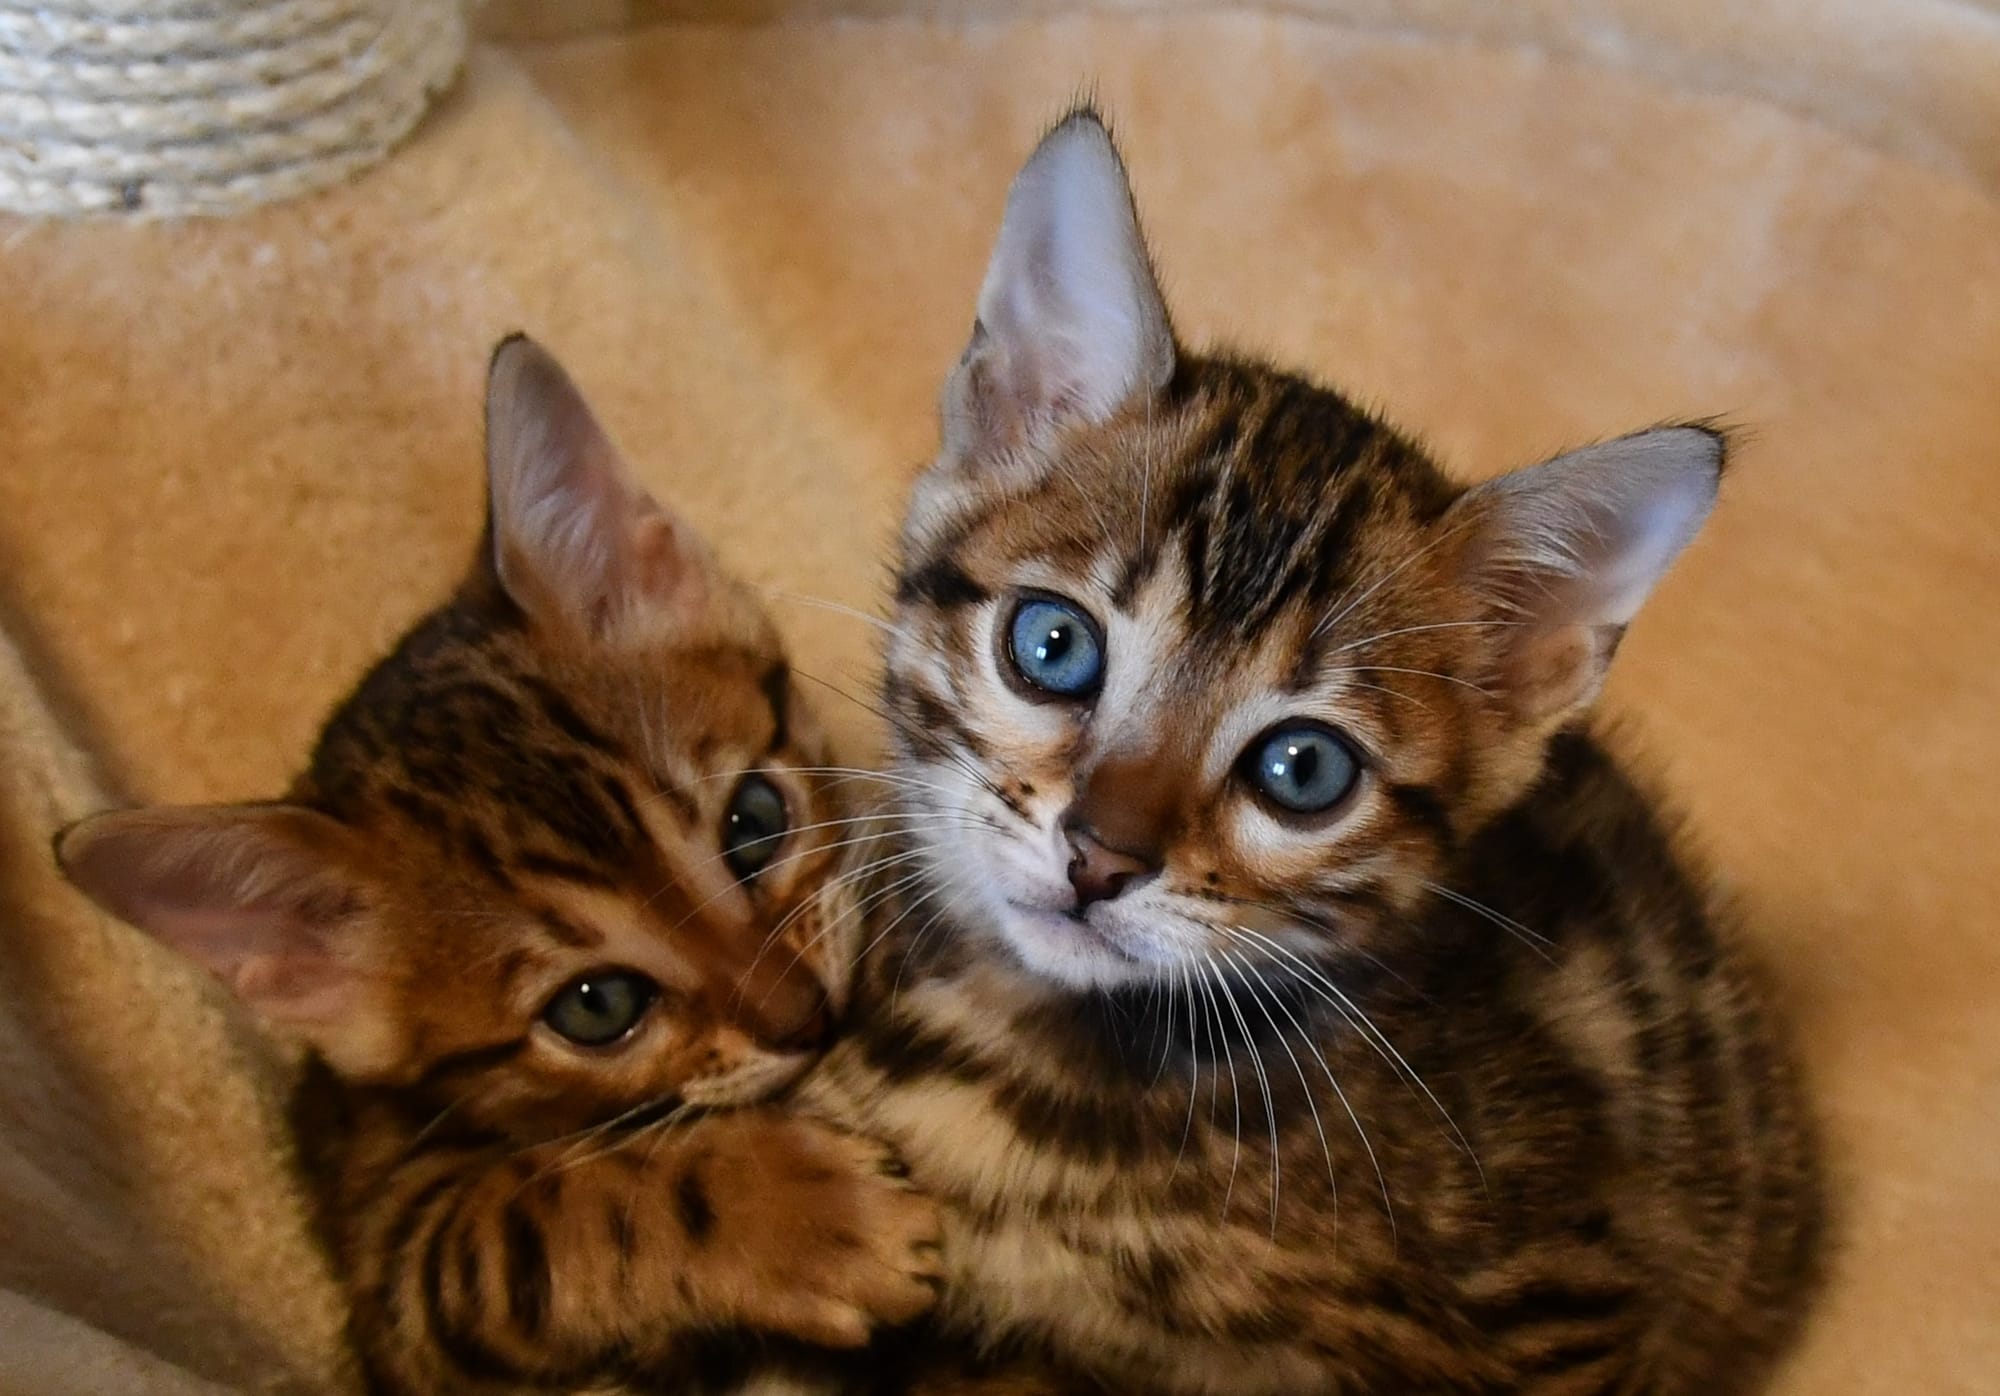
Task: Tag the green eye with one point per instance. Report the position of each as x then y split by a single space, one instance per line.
601 1007
753 827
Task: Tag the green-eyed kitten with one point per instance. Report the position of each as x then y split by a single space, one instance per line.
1298 998
560 873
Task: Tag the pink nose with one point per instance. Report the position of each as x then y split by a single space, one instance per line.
1099 873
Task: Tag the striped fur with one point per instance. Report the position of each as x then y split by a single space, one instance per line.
523 792
1463 1086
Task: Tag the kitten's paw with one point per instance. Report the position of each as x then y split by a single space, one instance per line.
832 1239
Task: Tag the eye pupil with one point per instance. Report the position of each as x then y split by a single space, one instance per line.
1304 763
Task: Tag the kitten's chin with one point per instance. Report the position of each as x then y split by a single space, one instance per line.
1058 947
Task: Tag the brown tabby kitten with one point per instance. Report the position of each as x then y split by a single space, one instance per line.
559 873
1300 999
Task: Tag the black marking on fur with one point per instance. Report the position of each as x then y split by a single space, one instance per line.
696 1212
564 717
942 583
470 1059
528 1278
776 686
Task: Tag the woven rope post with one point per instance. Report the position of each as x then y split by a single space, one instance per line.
163 108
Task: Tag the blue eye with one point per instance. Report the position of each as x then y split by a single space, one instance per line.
1056 647
1303 769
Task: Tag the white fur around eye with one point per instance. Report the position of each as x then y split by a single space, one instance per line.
1251 719
1287 853
925 665
1138 691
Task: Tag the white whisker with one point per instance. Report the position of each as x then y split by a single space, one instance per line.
1328 622
1305 1087
1418 630
841 609
1534 940
1361 1022
1194 1066
1235 1101
1263 1086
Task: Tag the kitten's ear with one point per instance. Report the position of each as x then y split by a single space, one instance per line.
1567 551
575 540
268 898
1071 324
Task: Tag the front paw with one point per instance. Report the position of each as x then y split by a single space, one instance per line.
826 1238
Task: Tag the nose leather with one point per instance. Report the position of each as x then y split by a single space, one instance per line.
1099 873
1121 823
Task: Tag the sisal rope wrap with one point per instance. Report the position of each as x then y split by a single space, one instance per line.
163 108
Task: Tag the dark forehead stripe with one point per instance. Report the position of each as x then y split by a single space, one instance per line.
1274 494
495 761
565 931
939 582
776 686
1211 453
554 865
564 717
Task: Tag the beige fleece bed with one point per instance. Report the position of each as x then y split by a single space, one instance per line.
239 456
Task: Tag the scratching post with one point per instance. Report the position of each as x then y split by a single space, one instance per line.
164 108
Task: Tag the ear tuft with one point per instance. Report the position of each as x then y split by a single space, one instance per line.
575 540
1569 550
1072 326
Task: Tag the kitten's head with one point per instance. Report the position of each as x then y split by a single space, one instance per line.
1195 662
566 852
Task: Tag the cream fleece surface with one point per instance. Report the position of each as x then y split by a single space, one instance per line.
240 457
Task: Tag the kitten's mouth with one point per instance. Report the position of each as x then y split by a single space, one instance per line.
1070 933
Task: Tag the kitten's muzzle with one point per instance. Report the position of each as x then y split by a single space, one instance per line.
1120 824
784 1007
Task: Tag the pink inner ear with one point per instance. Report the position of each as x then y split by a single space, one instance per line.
1550 672
667 564
1071 325
257 895
227 938
310 990
273 948
1568 551
577 542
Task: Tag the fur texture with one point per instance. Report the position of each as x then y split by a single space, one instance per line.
515 912
1301 999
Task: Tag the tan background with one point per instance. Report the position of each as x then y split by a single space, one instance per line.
239 457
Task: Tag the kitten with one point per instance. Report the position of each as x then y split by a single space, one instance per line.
560 872
1299 998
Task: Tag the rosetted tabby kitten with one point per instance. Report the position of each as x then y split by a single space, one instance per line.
1298 999
559 870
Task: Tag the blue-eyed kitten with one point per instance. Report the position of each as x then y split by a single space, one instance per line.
1297 997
